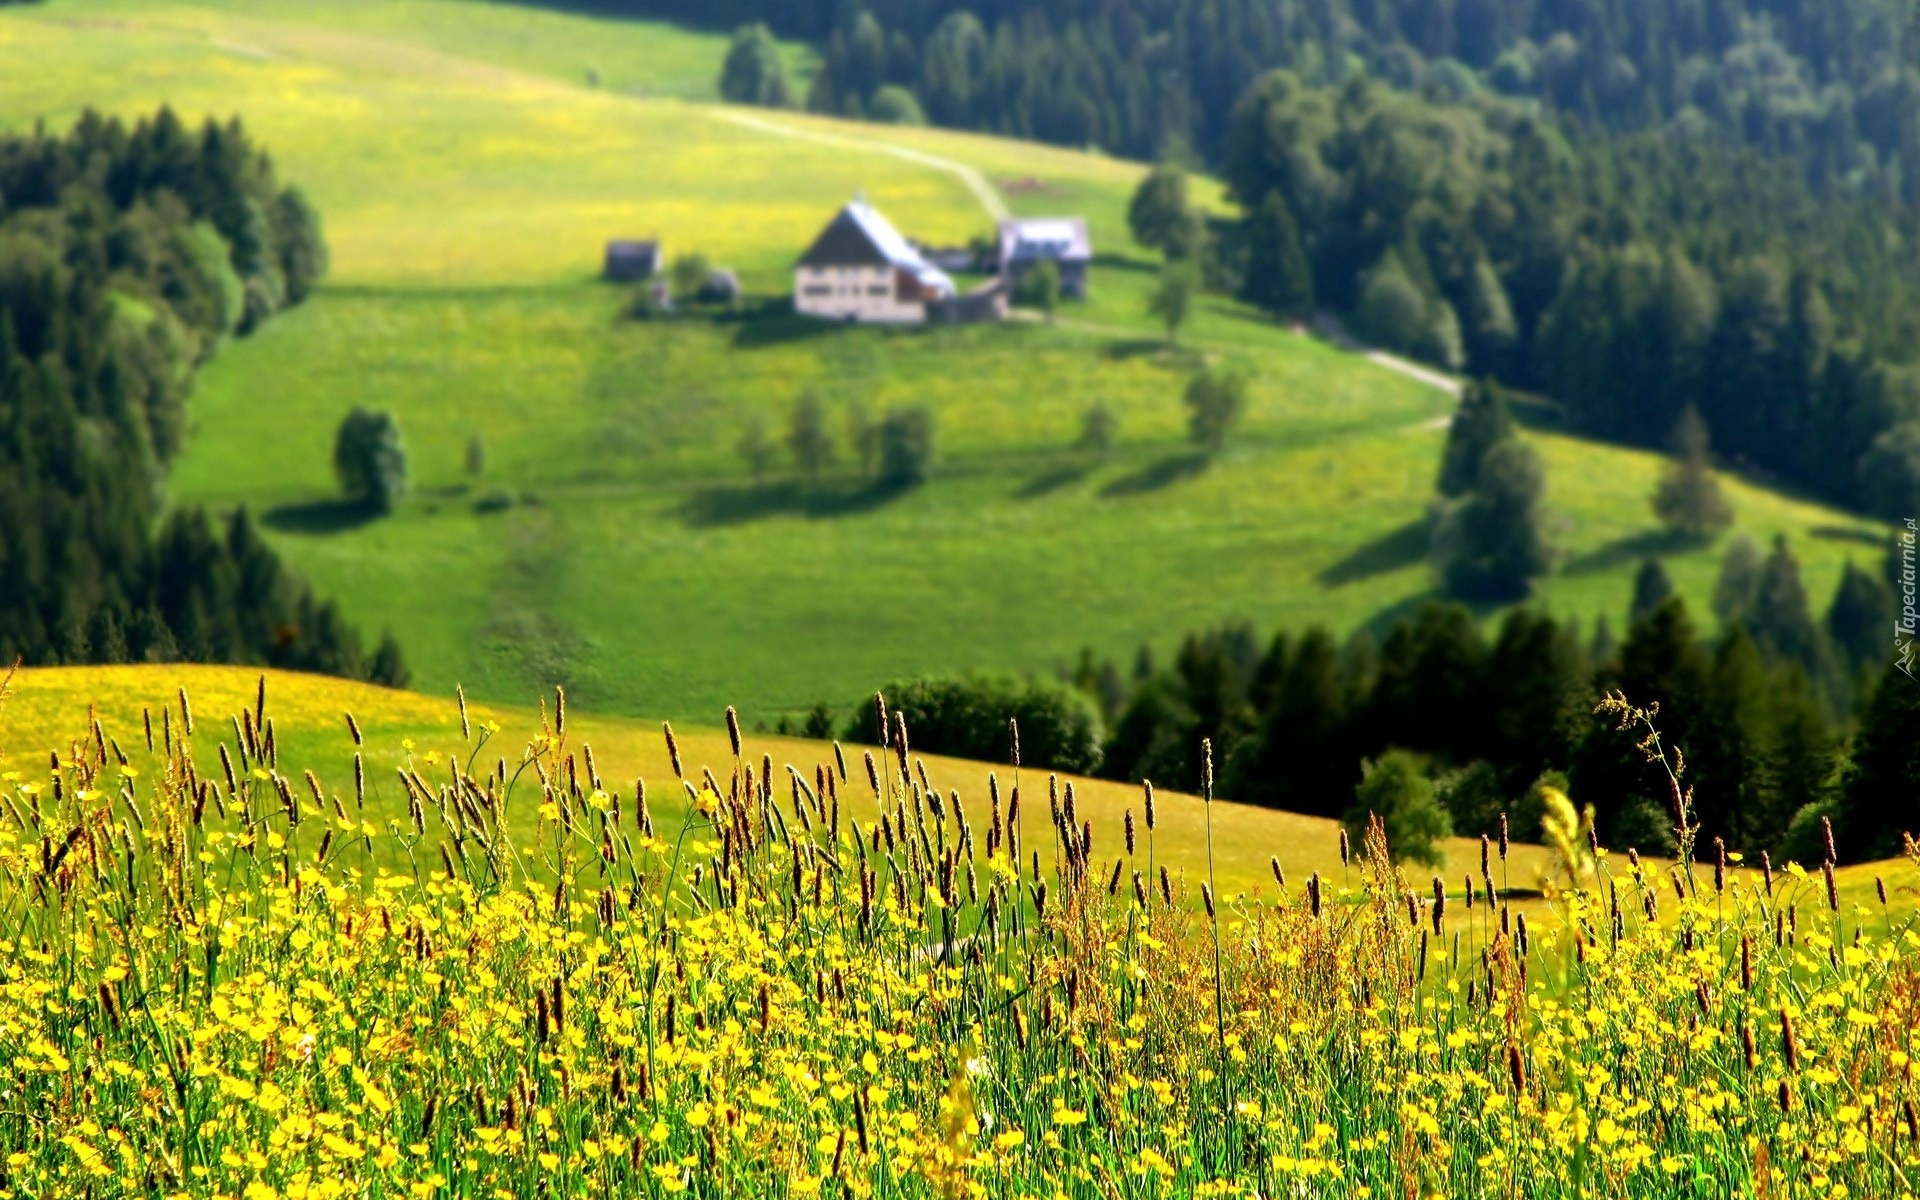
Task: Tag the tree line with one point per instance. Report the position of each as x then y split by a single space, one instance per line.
128 256
1830 84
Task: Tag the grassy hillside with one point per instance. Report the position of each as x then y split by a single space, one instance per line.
45 710
469 179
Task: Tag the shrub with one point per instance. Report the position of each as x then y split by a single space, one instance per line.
1060 729
906 447
370 460
1215 400
496 500
895 105
1395 788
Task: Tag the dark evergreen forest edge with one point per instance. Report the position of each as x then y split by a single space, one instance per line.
1633 206
128 256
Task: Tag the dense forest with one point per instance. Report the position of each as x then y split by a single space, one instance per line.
127 256
1634 207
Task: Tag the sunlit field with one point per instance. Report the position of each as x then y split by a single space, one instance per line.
521 974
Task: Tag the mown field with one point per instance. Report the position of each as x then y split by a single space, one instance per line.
469 177
516 981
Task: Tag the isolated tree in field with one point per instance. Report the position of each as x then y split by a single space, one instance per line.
906 447
1098 429
755 448
1160 210
1651 587
1689 500
1481 422
1395 788
1279 277
689 273
807 436
1491 544
753 72
1172 298
1215 399
476 456
1739 581
370 460
1039 288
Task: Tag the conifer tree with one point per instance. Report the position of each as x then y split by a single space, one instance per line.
1689 500
1491 544
1739 583
1878 800
1782 620
1651 587
1481 422
1860 620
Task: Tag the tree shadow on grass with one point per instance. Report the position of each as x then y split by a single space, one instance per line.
721 506
319 518
1845 533
1401 548
1649 543
1155 476
1049 482
1154 348
773 325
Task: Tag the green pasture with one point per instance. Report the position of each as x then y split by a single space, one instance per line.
469 179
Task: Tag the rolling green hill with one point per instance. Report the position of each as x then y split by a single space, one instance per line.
469 177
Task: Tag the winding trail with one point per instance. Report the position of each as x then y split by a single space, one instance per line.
975 181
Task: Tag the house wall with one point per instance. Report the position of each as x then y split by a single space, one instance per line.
866 294
1073 276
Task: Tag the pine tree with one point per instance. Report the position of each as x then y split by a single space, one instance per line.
1300 760
1481 422
1878 799
1651 587
1860 620
389 666
1782 621
1738 587
1689 500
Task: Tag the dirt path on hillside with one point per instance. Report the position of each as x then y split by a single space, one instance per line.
975 181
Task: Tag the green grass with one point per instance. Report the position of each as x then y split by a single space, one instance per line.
468 182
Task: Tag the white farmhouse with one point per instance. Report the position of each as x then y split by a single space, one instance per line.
860 269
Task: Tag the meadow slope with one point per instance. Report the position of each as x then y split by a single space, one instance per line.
469 177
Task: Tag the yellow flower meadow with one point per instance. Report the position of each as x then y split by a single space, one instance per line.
828 988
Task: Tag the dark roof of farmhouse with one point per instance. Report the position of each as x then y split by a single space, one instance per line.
845 242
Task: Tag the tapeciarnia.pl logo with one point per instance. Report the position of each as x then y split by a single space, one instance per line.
1904 628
